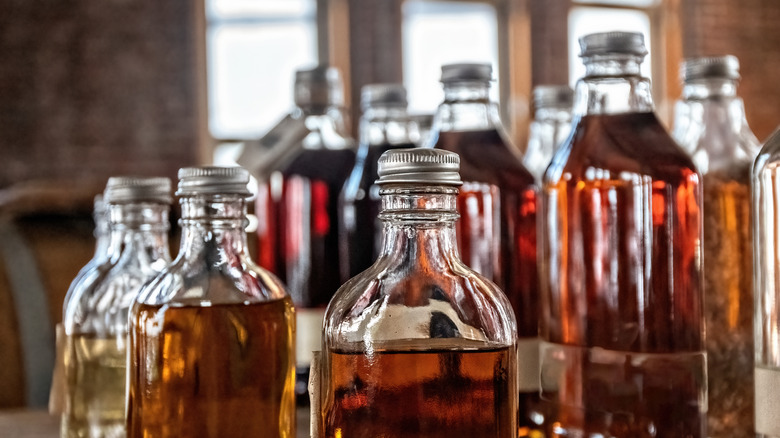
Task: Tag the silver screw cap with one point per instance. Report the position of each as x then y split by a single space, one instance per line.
629 43
320 86
210 180
133 189
553 96
466 72
383 95
724 67
419 166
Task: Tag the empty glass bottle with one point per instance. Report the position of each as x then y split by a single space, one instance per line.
384 126
710 125
212 336
623 326
297 210
96 313
419 344
550 127
497 228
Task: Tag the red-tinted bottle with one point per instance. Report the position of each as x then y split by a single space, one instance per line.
497 205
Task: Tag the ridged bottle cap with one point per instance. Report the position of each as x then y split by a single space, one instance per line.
320 87
419 166
383 95
131 189
553 96
725 67
211 180
464 72
630 43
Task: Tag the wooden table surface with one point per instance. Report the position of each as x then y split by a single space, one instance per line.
39 424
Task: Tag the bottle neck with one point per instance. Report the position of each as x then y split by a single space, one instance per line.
466 107
326 126
140 228
419 224
384 125
612 85
214 228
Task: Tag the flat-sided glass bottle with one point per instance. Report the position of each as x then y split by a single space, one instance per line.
385 125
497 204
96 313
297 210
419 344
623 326
710 125
551 125
212 348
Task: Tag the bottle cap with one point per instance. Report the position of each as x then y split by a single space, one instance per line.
319 87
465 72
724 67
383 95
210 180
419 166
629 43
553 96
132 189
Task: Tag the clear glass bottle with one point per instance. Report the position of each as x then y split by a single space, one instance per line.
497 204
419 344
551 125
212 348
297 210
95 320
384 126
623 351
710 125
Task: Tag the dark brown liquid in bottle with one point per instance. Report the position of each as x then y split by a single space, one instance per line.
360 205
217 371
433 394
497 206
623 311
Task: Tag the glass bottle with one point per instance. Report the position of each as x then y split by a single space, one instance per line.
384 126
297 209
550 126
623 350
497 203
710 125
419 344
212 337
95 320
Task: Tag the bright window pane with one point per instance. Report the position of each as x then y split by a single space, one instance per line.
436 33
240 9
585 20
626 3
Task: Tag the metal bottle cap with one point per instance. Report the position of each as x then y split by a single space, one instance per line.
464 72
419 166
553 96
629 43
724 67
320 87
131 189
383 95
210 180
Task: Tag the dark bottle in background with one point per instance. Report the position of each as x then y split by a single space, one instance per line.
385 125
297 209
497 205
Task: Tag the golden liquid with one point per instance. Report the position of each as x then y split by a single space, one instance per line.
217 371
95 376
447 393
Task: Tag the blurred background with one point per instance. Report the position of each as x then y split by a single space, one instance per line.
90 89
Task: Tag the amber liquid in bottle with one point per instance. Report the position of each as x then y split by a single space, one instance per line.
432 393
624 355
229 364
498 193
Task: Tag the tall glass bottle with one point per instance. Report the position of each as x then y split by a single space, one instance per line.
710 125
212 336
384 126
623 327
497 203
419 344
550 127
297 210
96 313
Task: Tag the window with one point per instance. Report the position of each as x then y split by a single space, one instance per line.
254 48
